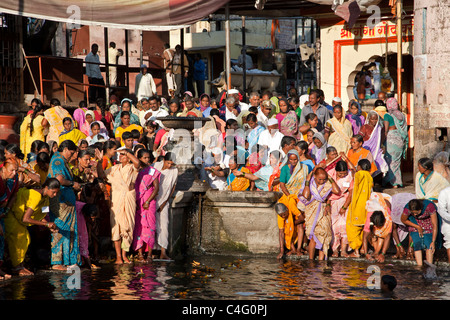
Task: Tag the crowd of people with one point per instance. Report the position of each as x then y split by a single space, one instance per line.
109 170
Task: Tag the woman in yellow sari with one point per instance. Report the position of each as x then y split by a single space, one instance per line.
357 213
70 132
122 178
316 205
338 130
429 183
237 183
27 210
126 126
33 128
55 115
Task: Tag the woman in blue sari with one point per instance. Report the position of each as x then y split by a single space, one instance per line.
256 129
9 185
65 245
262 176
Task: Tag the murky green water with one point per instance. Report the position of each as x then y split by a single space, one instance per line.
229 278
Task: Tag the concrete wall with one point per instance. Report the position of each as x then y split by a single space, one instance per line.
431 74
244 221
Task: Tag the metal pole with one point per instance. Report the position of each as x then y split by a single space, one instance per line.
399 53
244 64
227 46
106 63
127 64
182 89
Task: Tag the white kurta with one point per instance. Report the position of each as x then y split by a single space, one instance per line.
145 86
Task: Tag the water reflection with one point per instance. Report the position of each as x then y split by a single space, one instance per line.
212 277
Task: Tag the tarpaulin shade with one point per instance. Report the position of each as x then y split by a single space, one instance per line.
155 15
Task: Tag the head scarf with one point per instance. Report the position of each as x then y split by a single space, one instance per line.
393 109
202 108
90 112
295 152
71 127
357 116
319 153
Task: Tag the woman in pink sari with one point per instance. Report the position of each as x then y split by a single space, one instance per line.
287 119
147 188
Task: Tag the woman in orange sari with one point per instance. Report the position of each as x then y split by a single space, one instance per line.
357 152
237 183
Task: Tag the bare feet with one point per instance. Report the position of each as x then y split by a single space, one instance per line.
164 256
335 254
119 261
410 254
354 254
59 267
21 271
344 254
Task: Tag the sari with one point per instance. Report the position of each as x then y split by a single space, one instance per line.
145 220
356 216
254 162
338 221
55 117
399 201
430 187
73 134
317 224
26 139
319 154
290 231
8 189
362 153
134 119
264 175
288 123
253 136
330 167
119 131
377 202
65 246
424 221
238 183
82 230
343 132
123 203
79 115
396 144
357 120
167 181
373 144
297 177
275 175
16 232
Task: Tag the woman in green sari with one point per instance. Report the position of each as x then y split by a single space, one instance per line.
396 129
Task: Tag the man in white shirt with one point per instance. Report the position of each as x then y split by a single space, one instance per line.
443 207
145 85
113 58
263 113
271 137
154 111
168 54
231 111
235 94
94 75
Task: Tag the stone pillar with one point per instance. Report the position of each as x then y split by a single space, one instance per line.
431 77
239 221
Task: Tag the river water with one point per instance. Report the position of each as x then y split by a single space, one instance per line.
230 278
